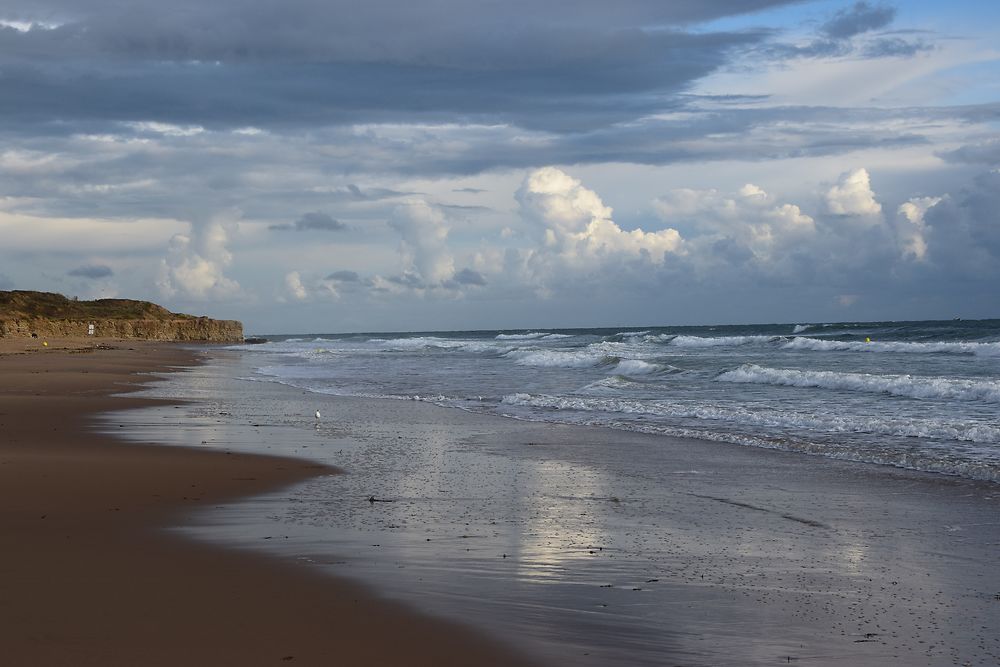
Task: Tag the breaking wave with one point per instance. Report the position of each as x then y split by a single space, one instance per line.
897 385
720 341
927 428
949 347
534 335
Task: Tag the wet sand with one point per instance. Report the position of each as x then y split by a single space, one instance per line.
88 576
602 547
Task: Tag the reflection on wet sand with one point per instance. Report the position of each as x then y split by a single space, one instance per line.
601 547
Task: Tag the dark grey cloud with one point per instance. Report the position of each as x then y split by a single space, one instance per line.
964 234
858 18
311 222
889 47
92 272
469 277
987 152
846 33
561 65
344 277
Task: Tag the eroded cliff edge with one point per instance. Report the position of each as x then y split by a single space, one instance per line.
49 315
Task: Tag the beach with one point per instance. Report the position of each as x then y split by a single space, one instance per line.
450 537
589 545
91 578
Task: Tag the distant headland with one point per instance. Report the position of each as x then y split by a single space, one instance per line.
26 314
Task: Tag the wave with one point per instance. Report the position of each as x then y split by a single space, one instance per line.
799 328
534 335
943 347
943 429
714 341
897 385
558 358
637 367
630 334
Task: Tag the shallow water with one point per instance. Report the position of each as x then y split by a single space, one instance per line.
604 547
919 395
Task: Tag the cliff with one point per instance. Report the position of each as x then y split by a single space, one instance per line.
48 315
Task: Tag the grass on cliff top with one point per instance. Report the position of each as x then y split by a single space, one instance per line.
21 304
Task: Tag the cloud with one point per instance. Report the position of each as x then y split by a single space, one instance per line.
294 286
986 152
6 282
860 17
469 277
195 264
577 225
853 196
92 271
911 228
174 68
423 249
962 230
344 277
312 222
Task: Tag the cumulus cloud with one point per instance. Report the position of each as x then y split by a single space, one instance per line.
314 221
577 225
294 286
424 231
963 229
747 227
195 264
911 228
91 271
853 196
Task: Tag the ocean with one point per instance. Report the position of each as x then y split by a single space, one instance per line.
917 395
822 494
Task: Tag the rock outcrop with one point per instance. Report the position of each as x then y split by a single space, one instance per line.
48 315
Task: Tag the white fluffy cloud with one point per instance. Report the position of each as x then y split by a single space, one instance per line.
911 229
577 225
746 226
424 233
195 264
294 286
853 196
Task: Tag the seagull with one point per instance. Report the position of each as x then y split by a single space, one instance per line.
318 415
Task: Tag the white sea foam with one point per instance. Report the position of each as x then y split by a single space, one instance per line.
636 367
555 358
534 335
897 385
944 429
905 347
799 328
720 341
631 334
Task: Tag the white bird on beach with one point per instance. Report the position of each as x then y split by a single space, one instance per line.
318 415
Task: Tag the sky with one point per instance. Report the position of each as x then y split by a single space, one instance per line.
325 166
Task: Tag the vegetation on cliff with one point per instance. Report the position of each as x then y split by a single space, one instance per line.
25 304
26 313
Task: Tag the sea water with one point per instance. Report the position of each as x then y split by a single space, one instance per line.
918 395
471 490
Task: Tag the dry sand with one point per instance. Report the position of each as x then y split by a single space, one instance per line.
88 578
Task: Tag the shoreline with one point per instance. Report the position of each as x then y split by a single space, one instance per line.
92 576
702 552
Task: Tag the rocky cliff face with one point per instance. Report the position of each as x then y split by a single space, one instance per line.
48 315
194 329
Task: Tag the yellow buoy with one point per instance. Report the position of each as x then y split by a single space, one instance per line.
867 339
